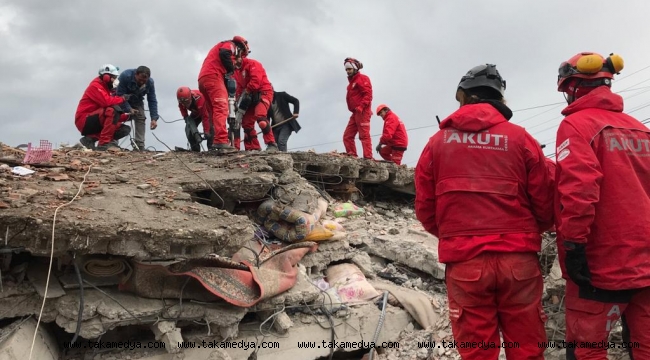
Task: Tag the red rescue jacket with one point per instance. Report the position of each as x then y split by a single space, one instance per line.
252 77
197 109
359 96
96 96
482 185
603 189
220 60
394 133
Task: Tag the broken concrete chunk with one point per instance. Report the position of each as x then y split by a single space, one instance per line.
167 332
219 354
18 344
144 186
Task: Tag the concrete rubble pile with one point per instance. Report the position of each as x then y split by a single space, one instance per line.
165 209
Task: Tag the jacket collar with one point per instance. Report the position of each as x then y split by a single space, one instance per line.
477 117
601 97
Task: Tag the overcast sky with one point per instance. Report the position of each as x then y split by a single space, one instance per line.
413 51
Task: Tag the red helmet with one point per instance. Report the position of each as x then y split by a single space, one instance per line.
184 96
242 44
588 65
380 108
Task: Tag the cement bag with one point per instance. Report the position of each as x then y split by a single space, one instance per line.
319 233
347 209
285 223
333 226
350 283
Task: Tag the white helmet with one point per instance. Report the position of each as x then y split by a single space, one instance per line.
109 69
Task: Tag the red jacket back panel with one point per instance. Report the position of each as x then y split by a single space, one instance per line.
603 185
213 63
479 179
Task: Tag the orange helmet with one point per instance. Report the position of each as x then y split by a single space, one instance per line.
242 44
589 65
380 108
184 96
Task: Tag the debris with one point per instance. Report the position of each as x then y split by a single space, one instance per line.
22 171
347 209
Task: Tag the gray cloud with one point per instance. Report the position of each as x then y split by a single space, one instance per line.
414 52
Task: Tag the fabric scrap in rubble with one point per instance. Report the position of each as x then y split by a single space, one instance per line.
240 282
416 303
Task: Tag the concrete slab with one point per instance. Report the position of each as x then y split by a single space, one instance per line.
18 344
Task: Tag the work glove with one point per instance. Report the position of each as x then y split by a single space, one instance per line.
358 109
576 265
378 148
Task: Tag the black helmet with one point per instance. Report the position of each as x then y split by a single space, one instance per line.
483 76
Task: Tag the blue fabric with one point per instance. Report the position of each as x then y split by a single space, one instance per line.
128 85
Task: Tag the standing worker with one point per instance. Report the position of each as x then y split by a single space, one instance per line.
359 100
218 67
283 120
137 83
483 188
602 209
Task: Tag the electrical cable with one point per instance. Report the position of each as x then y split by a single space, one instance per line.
139 320
81 299
375 338
49 269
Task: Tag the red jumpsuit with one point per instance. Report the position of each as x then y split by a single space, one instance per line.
252 78
95 116
602 201
359 99
394 137
483 188
198 110
217 64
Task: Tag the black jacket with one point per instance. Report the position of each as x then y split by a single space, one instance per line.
282 99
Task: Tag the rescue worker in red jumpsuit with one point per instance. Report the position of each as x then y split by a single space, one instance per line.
393 140
359 100
99 116
217 66
483 188
602 210
256 94
191 104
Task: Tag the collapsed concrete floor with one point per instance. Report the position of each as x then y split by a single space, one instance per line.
166 208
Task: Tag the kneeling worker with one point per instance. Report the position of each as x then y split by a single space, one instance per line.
394 140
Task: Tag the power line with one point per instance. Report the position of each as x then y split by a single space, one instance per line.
556 104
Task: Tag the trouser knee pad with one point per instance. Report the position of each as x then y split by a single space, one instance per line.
264 125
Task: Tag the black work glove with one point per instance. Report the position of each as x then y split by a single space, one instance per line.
576 265
378 148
